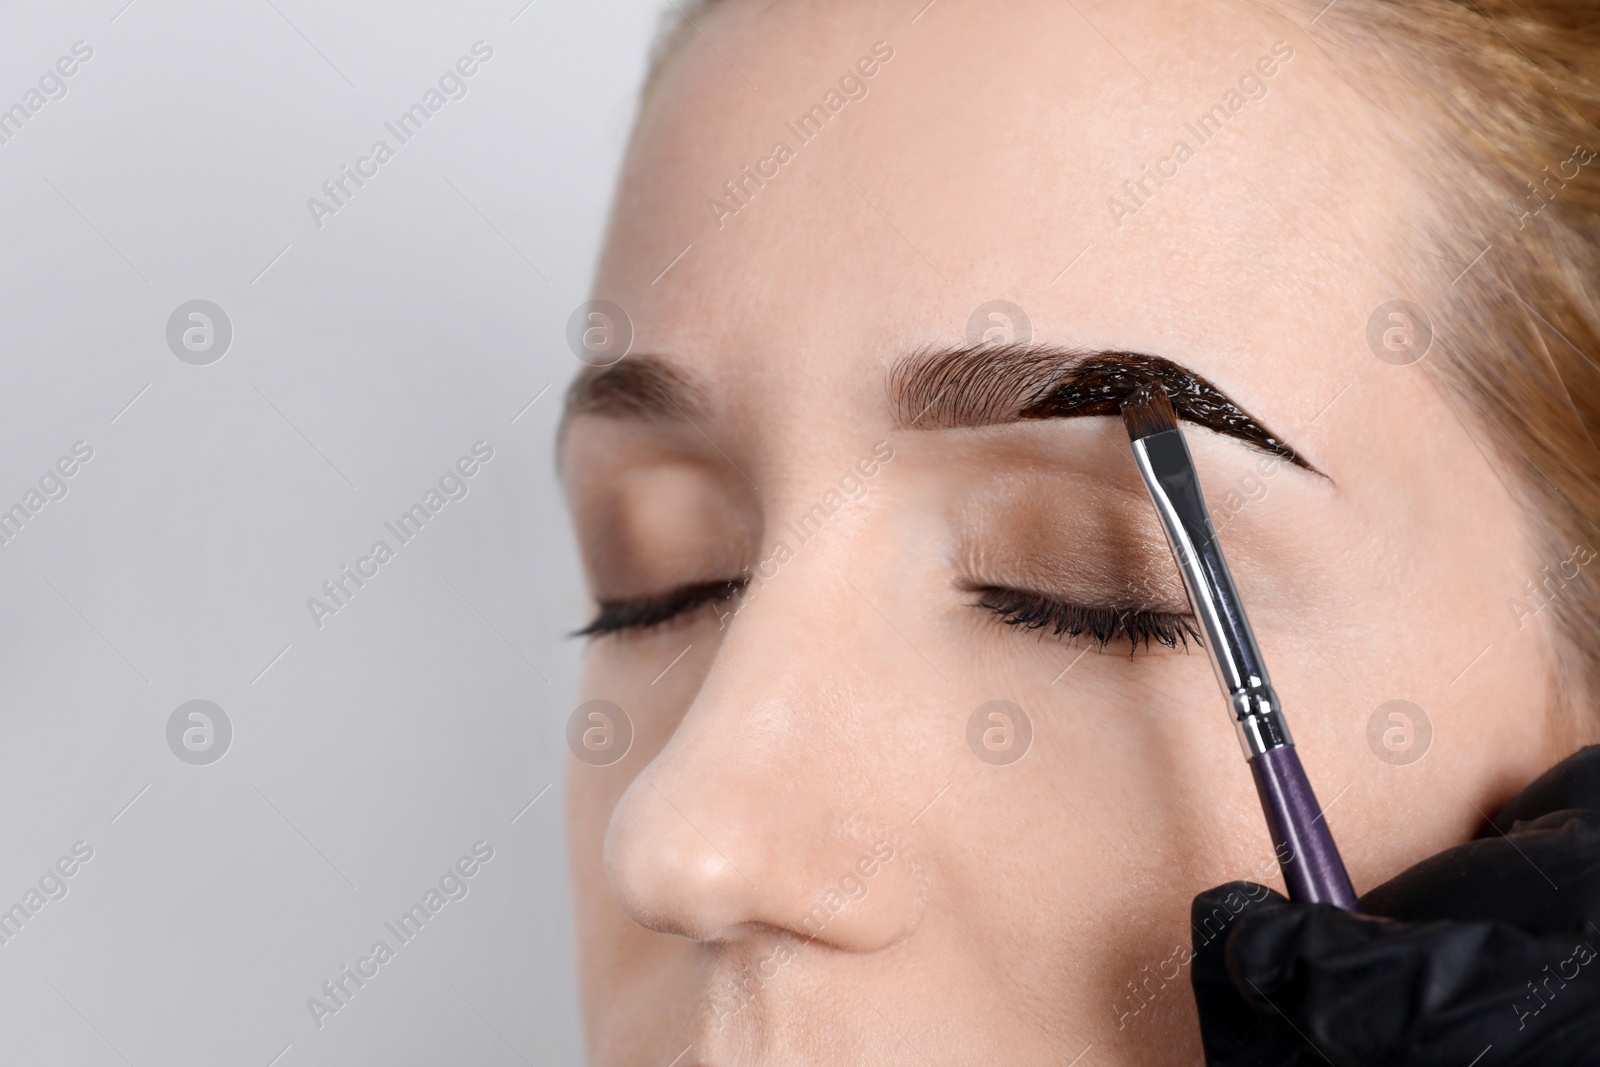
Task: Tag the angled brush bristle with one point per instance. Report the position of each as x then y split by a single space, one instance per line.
1147 411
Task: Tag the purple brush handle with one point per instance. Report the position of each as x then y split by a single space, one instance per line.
1306 853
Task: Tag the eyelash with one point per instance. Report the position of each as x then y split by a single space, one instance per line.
648 612
1015 607
1033 611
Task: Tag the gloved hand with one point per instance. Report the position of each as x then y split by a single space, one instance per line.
1485 955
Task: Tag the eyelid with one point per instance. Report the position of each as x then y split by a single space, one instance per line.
656 609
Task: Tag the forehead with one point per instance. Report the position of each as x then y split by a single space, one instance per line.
816 188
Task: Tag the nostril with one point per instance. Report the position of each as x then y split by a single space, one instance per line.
867 904
719 859
668 874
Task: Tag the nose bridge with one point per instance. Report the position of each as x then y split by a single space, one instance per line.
761 809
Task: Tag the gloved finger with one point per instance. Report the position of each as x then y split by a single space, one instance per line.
1372 991
1233 1031
1542 877
1572 783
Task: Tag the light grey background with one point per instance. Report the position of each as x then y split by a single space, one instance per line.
368 355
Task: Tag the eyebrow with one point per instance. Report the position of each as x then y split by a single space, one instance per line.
639 387
953 388
990 384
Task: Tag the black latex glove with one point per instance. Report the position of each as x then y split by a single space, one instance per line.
1485 955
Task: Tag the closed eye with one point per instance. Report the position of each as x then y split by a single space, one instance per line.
647 612
1027 610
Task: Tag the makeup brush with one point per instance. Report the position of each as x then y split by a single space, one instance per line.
1306 853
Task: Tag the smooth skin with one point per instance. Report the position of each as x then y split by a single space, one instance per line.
1035 911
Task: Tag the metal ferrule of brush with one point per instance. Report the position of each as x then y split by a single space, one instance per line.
1169 473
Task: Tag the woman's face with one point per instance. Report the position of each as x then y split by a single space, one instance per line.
867 814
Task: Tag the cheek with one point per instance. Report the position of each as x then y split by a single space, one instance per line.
1409 602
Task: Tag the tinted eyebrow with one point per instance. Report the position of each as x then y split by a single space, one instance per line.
987 385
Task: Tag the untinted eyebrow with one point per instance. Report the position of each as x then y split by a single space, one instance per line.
986 385
639 387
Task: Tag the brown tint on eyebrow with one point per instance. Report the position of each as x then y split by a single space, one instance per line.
1099 385
985 385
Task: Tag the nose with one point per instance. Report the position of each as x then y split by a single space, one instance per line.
771 805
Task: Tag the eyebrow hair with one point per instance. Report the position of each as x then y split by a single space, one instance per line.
638 387
989 384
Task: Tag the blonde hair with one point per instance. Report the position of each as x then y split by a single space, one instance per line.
1506 94
1503 96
